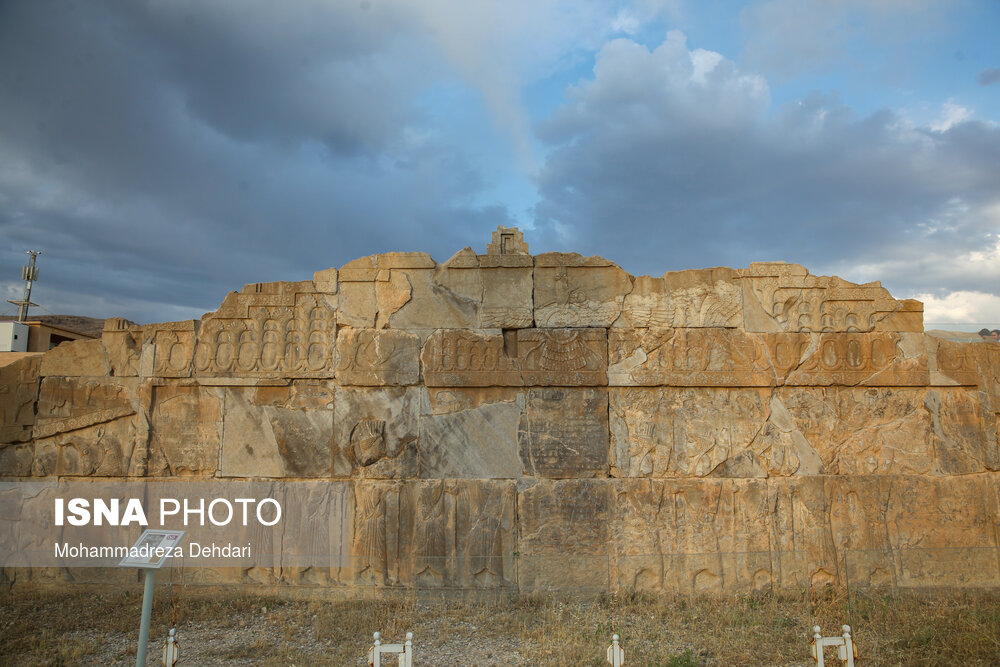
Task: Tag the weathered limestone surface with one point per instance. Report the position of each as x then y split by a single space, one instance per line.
564 433
186 435
376 432
472 435
504 420
786 297
18 395
526 357
576 291
123 346
81 358
433 534
372 357
277 431
705 298
278 330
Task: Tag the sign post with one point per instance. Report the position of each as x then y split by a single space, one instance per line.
149 553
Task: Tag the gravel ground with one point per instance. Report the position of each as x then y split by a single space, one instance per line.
259 640
74 628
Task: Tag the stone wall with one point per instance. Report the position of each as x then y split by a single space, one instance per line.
552 422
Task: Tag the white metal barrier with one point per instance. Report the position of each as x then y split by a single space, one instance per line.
616 654
844 644
403 652
170 651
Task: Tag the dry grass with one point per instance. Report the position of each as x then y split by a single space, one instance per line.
70 628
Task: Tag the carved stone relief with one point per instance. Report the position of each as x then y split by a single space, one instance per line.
18 393
705 298
688 358
434 534
186 430
785 297
376 432
570 290
668 432
564 433
371 357
272 341
563 357
172 348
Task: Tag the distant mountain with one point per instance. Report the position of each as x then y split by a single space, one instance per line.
91 326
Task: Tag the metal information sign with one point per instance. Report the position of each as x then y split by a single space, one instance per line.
152 549
149 553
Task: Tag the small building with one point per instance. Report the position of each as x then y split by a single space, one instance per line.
35 336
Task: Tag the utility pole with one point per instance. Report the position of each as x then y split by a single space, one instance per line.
29 274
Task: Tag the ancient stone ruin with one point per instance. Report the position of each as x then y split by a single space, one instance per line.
551 422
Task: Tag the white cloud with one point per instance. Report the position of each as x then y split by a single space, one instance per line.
641 93
962 307
951 115
626 22
675 159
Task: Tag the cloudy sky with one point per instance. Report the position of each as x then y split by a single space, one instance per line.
162 153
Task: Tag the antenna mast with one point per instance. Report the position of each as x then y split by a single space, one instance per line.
29 274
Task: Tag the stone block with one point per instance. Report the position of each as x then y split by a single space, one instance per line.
674 432
325 281
909 318
468 358
698 298
123 346
708 537
433 534
564 535
272 341
849 359
282 294
172 346
563 357
477 440
779 297
186 430
962 440
101 450
392 292
437 401
376 432
86 426
446 298
854 431
19 385
507 241
688 358
564 433
85 358
357 305
530 357
575 291
507 301
372 357
71 403
16 459
278 431
988 362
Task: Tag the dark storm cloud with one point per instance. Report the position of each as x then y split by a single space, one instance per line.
161 154
989 76
672 160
